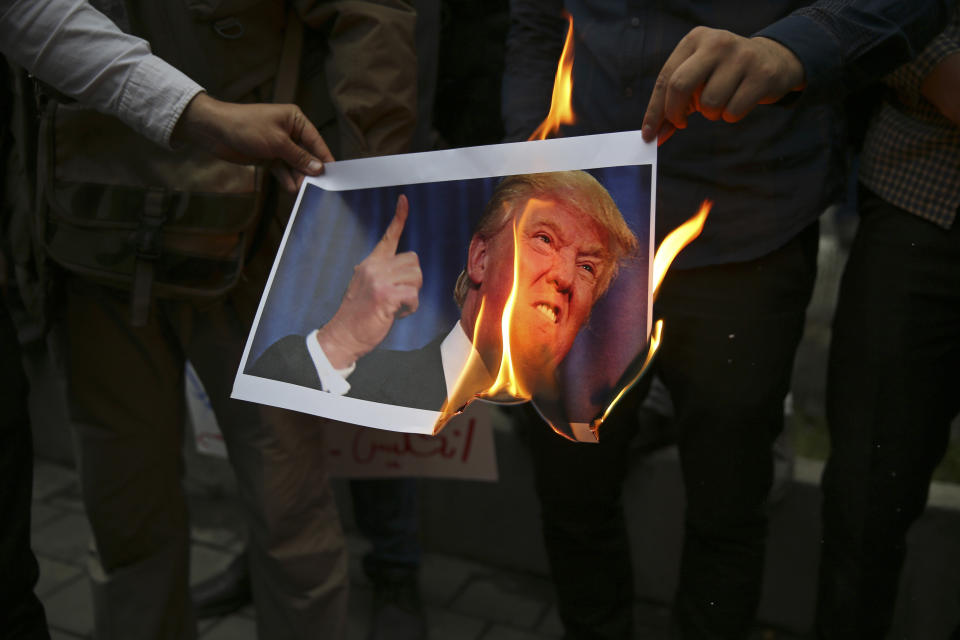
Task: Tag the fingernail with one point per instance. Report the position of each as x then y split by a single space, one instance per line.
315 166
647 132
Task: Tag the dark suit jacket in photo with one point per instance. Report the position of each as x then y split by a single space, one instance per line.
403 378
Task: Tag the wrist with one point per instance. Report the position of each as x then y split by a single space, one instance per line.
340 348
197 121
793 74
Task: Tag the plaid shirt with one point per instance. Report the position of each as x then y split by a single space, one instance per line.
911 155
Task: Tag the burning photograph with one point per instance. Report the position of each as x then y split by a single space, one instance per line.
395 306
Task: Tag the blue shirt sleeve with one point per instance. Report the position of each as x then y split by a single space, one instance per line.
846 44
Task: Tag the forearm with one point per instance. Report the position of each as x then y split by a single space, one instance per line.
847 44
937 70
77 50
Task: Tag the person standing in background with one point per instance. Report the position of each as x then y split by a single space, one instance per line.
128 441
895 351
733 303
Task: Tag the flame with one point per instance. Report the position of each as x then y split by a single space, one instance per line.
507 383
654 345
561 111
506 387
672 245
675 242
465 389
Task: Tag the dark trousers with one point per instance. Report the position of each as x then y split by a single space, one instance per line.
127 403
21 614
385 510
892 392
729 337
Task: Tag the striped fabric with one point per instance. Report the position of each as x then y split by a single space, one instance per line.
911 155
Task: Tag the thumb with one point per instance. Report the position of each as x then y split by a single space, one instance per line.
298 158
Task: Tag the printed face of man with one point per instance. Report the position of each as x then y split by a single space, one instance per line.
562 263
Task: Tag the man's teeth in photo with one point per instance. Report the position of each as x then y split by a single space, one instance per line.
549 311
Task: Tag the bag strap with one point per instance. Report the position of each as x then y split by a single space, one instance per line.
288 73
148 252
151 221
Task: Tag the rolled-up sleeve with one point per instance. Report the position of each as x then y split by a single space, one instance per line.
78 51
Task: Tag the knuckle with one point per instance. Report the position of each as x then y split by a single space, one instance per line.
678 84
661 83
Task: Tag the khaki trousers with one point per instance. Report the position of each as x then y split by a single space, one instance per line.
126 390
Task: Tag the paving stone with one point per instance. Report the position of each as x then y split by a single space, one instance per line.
66 539
502 599
206 561
500 632
356 544
206 624
53 575
41 514
358 612
651 620
215 536
550 625
447 625
442 577
232 628
357 547
48 479
71 608
68 500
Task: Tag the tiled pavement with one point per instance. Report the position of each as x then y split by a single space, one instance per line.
464 600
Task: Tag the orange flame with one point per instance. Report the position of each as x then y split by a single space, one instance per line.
675 242
654 345
474 379
672 245
507 383
561 111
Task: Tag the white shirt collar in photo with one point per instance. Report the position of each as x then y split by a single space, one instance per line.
455 350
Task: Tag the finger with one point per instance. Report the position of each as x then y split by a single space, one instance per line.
666 131
409 300
656 107
312 141
683 91
298 158
391 237
284 177
720 87
406 270
748 95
